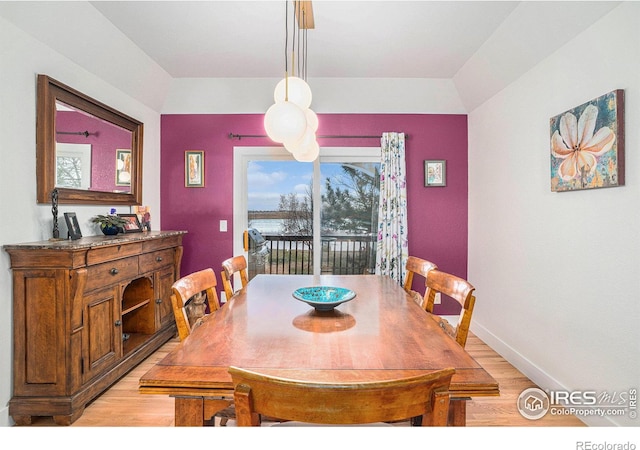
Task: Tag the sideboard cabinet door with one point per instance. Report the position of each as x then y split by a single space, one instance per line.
164 310
103 326
40 336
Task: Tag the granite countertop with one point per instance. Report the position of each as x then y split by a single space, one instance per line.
93 241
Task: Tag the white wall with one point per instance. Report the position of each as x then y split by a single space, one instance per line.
330 95
558 274
21 59
91 41
532 32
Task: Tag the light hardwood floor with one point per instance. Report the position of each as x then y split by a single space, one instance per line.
123 406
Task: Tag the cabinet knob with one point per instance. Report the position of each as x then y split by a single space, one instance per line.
118 323
114 271
158 258
158 300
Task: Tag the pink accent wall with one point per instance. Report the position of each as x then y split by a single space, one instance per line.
437 216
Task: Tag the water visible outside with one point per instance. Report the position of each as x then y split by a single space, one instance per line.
266 226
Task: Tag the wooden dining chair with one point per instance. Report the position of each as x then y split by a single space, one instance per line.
420 267
231 266
458 289
188 297
374 402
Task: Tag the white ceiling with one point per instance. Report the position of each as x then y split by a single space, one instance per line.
372 39
481 45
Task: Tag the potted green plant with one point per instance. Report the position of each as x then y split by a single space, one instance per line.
110 224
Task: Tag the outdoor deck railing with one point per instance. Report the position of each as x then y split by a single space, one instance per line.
341 254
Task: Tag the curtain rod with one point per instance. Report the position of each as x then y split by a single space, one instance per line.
84 133
331 136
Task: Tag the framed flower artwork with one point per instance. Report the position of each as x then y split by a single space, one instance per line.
435 172
587 145
194 168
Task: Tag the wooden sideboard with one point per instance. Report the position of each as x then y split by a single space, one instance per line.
85 313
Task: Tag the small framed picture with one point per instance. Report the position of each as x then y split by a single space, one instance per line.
435 172
123 167
144 216
194 168
132 225
72 225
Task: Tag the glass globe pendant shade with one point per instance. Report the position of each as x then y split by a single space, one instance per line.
285 122
299 92
304 141
307 154
312 120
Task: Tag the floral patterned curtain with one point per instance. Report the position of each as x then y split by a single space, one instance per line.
392 249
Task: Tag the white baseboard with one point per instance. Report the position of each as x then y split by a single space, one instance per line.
536 374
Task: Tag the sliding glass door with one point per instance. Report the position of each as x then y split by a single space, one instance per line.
306 218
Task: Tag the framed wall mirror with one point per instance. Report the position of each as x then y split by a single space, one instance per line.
87 150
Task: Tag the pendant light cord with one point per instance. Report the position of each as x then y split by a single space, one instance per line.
298 16
304 51
302 42
298 42
286 37
293 40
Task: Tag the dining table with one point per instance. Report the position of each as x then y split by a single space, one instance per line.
380 334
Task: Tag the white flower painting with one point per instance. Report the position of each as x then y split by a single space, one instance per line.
587 145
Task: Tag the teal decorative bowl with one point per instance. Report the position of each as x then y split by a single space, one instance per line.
323 298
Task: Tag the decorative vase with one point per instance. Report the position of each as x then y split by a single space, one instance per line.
110 230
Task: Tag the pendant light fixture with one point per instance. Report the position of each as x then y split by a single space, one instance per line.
290 121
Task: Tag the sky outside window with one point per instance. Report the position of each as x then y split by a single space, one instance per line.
268 180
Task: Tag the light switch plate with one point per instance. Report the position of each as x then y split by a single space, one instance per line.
223 226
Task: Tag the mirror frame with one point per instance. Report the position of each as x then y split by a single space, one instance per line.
50 90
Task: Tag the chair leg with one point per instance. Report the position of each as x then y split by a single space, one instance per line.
440 412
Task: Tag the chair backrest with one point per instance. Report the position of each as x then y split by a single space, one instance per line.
458 289
416 266
236 264
188 301
257 394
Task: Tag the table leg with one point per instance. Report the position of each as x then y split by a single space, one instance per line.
189 412
458 412
197 411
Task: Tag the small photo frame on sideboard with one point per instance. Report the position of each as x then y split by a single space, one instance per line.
194 168
73 226
435 172
132 225
144 216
